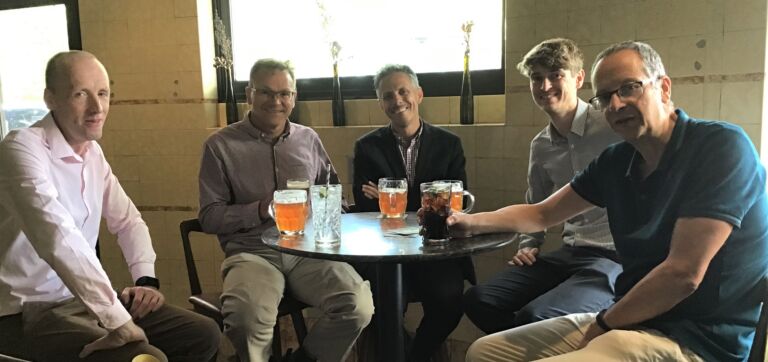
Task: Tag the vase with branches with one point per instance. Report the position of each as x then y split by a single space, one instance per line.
337 100
223 62
467 102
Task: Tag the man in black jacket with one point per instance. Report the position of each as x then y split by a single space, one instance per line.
412 149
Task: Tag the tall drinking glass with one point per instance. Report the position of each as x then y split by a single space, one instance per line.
436 207
289 210
326 214
393 196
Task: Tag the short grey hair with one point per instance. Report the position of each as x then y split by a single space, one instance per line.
272 64
60 63
394 68
652 64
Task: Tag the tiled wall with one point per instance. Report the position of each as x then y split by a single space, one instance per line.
159 55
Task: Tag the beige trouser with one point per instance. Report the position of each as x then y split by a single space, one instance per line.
253 287
557 339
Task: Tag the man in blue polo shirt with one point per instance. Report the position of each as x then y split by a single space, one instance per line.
688 212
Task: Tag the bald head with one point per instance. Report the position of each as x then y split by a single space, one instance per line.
59 66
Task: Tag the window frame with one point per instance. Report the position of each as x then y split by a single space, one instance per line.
484 82
73 16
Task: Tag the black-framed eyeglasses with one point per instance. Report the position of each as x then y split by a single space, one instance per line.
626 91
283 95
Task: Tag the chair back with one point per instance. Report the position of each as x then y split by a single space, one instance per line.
186 227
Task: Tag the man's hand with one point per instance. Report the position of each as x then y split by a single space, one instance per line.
459 224
525 256
140 301
371 190
127 333
593 331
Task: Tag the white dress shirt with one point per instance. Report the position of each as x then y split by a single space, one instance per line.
51 204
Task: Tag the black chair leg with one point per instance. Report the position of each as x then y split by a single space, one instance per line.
299 325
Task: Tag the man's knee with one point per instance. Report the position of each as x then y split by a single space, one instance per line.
532 313
355 305
206 336
245 318
481 313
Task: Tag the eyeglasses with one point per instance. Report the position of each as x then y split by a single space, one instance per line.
625 91
284 95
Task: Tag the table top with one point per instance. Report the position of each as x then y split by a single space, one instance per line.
365 237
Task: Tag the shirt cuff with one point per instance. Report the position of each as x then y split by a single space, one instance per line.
114 316
139 270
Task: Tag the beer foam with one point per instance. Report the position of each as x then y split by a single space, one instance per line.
392 190
290 196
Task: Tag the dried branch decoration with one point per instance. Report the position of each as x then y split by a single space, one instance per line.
221 38
327 24
467 29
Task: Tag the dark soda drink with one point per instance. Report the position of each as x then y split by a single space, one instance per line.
436 207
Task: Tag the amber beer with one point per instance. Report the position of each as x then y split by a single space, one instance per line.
289 209
393 197
457 196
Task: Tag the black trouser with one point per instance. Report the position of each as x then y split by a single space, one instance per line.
439 286
567 280
58 332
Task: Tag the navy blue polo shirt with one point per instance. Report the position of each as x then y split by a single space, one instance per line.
708 169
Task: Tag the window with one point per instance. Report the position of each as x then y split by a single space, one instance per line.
32 32
371 33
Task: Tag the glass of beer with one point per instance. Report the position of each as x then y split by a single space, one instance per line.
289 210
393 197
436 207
297 184
457 196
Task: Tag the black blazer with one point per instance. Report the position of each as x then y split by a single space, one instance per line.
441 157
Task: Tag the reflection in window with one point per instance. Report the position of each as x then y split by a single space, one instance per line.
35 35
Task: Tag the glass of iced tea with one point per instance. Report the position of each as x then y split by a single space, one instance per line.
393 197
457 196
436 207
289 210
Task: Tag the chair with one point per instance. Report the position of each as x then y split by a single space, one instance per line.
209 304
757 353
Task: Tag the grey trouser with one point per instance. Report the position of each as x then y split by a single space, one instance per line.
46 331
557 339
254 284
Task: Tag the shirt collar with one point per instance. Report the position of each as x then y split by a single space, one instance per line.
58 145
577 126
674 144
258 134
408 139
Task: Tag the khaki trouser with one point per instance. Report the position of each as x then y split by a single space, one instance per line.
47 331
254 284
557 339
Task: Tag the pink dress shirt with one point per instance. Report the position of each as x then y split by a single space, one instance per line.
51 204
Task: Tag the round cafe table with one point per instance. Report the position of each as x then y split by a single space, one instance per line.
365 237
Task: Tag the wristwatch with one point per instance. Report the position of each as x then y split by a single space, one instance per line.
601 321
146 281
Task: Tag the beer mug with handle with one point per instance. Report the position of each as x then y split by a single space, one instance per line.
457 196
289 210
